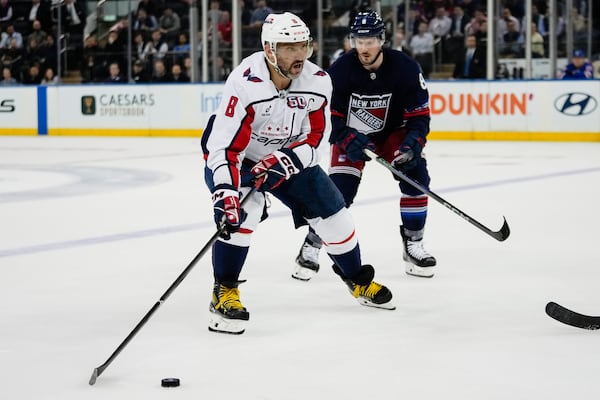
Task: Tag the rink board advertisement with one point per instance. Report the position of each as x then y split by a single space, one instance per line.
460 110
18 111
515 110
131 110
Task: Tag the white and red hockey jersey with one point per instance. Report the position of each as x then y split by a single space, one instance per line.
254 118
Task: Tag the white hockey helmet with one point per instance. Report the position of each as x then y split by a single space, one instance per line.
284 28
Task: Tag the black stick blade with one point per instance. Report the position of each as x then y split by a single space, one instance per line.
503 233
568 317
94 376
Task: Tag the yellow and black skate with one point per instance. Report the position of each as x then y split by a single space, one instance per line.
227 314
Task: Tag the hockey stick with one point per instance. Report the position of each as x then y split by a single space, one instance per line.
499 235
566 316
98 370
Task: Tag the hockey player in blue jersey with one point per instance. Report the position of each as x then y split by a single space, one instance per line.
274 114
380 100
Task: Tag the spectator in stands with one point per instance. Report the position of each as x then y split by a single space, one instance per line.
178 75
537 42
40 11
223 70
156 47
512 40
9 36
505 26
456 40
400 42
7 78
540 20
138 46
34 52
159 74
421 45
182 48
440 25
88 61
169 22
245 13
139 73
32 75
471 62
114 49
13 56
37 33
578 68
151 8
470 6
144 22
224 28
6 11
259 14
50 78
415 18
73 18
114 74
481 34
186 66
346 47
47 52
460 20
474 26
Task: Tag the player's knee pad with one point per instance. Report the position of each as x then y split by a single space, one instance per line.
337 231
254 207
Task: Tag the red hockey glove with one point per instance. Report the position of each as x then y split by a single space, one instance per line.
227 211
278 167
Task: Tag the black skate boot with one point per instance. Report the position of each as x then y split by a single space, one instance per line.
227 314
365 290
418 261
307 262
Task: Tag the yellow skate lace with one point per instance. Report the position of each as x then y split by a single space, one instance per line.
229 298
368 291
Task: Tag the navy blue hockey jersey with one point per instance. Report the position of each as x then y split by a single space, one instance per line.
379 102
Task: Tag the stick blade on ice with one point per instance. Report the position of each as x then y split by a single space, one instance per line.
569 317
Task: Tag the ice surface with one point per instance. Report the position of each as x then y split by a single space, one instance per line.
94 230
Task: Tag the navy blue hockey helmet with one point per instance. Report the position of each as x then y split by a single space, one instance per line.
367 24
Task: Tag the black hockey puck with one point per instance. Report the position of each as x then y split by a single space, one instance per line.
169 382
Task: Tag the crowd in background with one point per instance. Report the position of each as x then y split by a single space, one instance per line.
438 31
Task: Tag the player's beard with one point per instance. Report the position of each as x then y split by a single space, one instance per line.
293 71
366 59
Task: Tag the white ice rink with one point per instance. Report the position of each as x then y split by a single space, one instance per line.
94 230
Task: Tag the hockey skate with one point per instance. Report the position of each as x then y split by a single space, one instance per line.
307 262
227 314
366 291
418 261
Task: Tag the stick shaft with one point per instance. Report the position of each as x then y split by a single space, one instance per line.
499 235
98 370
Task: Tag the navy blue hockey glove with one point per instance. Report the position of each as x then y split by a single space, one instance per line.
227 211
409 153
278 166
352 142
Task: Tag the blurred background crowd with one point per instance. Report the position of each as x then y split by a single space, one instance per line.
140 41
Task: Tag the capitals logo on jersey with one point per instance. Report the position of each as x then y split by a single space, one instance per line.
368 113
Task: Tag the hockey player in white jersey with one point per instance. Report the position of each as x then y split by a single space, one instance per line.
273 116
